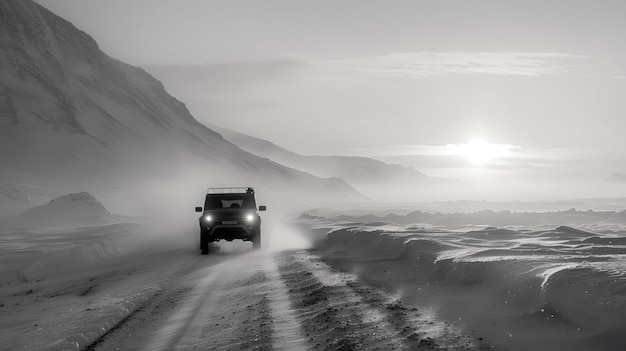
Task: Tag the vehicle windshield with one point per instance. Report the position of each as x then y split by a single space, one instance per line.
229 201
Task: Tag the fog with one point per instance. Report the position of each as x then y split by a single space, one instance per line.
391 125
427 168
402 127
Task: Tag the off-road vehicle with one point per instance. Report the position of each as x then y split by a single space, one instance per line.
230 213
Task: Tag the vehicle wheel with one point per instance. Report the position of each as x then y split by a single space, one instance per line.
256 241
204 243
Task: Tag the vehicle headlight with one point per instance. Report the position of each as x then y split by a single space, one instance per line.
208 219
250 218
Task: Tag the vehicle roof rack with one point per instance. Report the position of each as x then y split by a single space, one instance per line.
231 190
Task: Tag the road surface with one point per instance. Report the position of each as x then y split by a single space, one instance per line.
287 300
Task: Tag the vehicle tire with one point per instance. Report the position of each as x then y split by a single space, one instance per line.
256 241
204 243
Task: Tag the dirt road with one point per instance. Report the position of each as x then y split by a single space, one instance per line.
287 300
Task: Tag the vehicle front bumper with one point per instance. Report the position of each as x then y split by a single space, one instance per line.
228 230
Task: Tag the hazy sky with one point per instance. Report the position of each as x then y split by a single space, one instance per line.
387 78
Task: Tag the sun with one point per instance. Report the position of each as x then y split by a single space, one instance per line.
478 151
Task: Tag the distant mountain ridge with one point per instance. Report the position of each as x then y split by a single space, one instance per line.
354 169
70 113
363 173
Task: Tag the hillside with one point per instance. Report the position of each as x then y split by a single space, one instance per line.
71 207
370 176
71 115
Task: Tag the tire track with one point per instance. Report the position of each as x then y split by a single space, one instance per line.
132 332
117 338
238 304
180 321
236 312
287 331
280 301
339 312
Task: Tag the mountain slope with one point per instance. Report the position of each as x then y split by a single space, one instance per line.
70 114
370 176
354 169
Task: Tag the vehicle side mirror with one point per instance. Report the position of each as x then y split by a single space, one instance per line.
262 208
198 209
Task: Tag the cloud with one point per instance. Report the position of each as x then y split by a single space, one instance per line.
490 155
427 64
